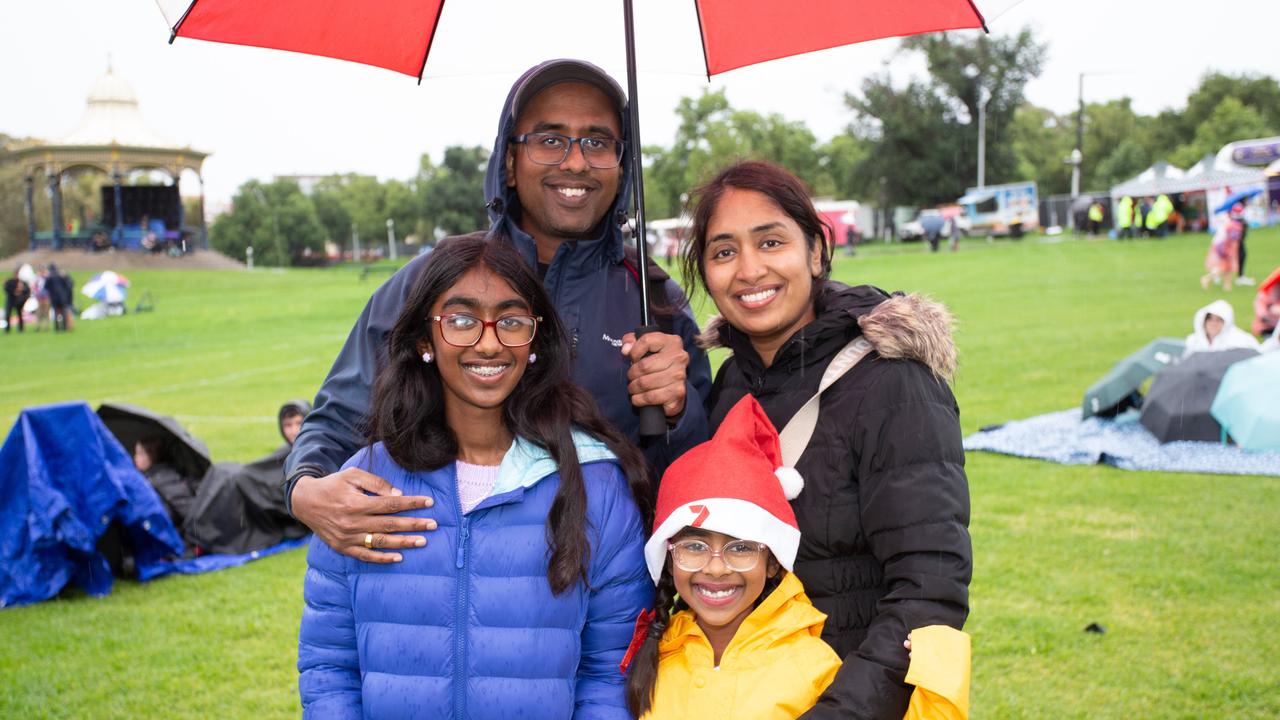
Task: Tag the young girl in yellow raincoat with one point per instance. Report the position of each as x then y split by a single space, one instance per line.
732 633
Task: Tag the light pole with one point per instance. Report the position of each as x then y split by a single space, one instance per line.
391 238
1077 155
984 96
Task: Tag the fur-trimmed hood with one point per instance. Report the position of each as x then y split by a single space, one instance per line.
899 326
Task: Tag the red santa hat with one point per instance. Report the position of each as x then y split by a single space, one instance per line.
733 484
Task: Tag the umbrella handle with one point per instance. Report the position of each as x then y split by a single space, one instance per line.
653 422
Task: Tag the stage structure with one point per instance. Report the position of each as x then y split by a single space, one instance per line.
113 139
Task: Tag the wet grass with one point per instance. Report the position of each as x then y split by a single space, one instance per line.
1179 569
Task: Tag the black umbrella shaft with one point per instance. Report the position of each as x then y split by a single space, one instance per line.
637 162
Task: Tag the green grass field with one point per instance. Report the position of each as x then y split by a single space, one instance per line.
1180 569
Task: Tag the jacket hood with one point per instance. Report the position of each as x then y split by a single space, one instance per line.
525 464
500 199
1221 308
899 326
292 407
786 612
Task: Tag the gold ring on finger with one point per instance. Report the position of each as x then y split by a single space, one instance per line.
368 540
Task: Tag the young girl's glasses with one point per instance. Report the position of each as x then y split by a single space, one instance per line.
738 555
464 330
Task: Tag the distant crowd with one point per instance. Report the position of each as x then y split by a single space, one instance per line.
53 291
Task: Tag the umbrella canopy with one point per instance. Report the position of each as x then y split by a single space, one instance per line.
932 224
131 423
1178 405
1248 402
1127 376
107 287
1272 280
398 34
1238 197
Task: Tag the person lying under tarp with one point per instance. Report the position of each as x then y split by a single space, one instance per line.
240 508
150 457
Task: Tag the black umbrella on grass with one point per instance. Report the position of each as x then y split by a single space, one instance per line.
1177 405
131 423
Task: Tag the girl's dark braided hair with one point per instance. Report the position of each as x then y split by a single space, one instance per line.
642 675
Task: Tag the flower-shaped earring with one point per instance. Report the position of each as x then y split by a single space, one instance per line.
533 358
426 357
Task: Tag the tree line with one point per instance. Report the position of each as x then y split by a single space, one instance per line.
905 144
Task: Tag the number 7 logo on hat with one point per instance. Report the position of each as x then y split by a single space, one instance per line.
702 511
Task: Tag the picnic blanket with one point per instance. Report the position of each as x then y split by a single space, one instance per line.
1062 437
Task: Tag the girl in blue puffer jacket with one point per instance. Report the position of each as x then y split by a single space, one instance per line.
522 602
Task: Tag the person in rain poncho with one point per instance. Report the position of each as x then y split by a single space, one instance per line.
1124 218
1214 329
1223 259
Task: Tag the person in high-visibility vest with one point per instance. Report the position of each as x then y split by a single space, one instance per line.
1095 217
1124 218
1161 209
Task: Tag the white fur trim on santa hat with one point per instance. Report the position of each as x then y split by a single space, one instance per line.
731 516
792 483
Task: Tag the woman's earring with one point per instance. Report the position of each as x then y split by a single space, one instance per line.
533 358
426 357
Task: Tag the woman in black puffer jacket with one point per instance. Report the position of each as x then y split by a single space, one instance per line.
884 514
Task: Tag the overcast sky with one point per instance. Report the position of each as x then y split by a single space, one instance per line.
263 113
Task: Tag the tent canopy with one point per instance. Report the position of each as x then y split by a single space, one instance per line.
1208 174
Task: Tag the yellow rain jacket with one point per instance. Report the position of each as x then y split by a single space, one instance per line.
940 660
776 666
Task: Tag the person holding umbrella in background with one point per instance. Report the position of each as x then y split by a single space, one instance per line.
558 185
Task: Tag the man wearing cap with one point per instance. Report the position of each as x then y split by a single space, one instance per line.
558 185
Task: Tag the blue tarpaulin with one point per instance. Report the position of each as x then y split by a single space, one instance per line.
63 480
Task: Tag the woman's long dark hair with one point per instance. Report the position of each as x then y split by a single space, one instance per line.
407 413
642 673
774 182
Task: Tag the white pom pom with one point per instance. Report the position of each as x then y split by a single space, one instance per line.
791 481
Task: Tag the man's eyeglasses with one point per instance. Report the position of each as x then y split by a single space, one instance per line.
464 330
546 148
737 555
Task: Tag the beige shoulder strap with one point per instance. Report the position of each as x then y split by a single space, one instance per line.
795 437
